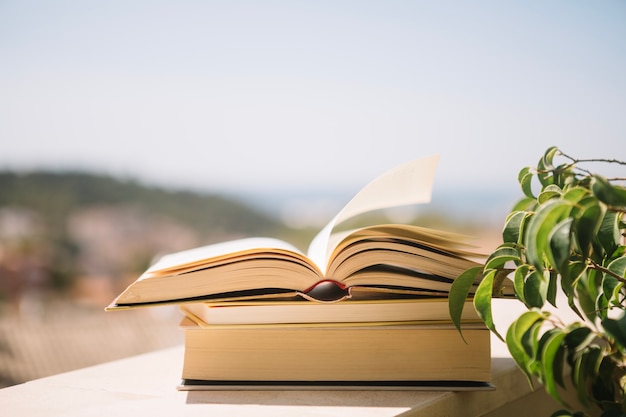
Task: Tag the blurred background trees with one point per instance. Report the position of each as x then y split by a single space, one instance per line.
61 230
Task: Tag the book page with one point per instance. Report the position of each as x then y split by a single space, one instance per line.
407 184
215 252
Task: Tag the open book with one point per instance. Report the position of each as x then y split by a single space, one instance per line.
374 261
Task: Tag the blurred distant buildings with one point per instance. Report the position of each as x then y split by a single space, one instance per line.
113 243
89 235
22 256
116 242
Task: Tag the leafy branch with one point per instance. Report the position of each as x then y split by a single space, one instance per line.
607 271
568 239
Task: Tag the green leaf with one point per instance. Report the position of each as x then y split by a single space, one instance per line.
611 290
500 286
589 219
563 176
482 301
569 278
612 286
552 287
602 306
585 371
616 328
552 361
609 233
524 178
514 226
592 361
519 279
609 194
558 250
459 292
558 365
515 336
536 289
578 379
531 341
618 266
604 386
545 168
549 192
501 256
575 194
579 338
539 228
587 292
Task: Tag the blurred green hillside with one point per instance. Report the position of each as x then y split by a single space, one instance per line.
59 228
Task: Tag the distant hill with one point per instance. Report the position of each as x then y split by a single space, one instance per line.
74 224
56 194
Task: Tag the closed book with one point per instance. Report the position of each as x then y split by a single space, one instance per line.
281 354
348 311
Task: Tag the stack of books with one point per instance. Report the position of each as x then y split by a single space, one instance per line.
365 307
384 344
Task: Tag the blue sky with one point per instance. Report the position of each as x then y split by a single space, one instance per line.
240 95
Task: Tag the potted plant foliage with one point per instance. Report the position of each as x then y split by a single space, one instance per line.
567 239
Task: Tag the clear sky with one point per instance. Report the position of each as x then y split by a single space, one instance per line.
311 94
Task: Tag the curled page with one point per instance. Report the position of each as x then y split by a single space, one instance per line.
407 184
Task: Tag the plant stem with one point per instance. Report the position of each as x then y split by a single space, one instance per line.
607 271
